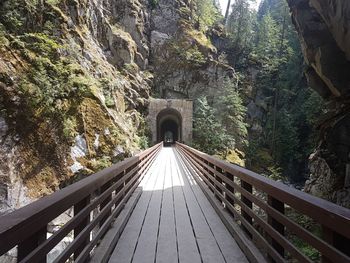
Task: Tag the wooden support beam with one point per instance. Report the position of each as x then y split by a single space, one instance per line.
248 187
31 243
85 221
279 206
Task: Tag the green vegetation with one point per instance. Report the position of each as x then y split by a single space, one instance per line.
51 80
231 112
209 134
240 24
153 3
207 13
144 135
311 226
12 14
219 126
266 41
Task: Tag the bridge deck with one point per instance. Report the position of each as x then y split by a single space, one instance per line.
173 221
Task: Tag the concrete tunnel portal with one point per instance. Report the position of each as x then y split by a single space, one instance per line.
170 118
169 125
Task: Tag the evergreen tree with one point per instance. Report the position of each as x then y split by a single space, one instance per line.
209 135
277 54
220 126
231 112
240 24
207 13
266 42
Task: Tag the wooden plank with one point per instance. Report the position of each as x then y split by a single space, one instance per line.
279 206
209 249
86 232
187 245
167 251
105 248
31 243
247 202
247 246
228 246
85 254
24 222
83 223
292 249
146 246
325 212
125 247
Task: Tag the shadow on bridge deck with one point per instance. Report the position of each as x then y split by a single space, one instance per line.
173 221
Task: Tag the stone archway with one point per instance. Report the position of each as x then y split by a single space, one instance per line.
173 117
169 125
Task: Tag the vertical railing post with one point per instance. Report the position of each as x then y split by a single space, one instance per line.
218 181
126 181
77 208
279 206
231 190
327 235
248 187
106 201
212 174
205 168
338 241
31 243
121 187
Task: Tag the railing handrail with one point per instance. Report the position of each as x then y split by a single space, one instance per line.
265 210
297 199
31 218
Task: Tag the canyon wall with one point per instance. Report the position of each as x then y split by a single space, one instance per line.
323 27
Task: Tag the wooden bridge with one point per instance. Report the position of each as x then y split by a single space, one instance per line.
176 204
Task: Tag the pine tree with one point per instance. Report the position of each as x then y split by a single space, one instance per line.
231 112
209 134
207 13
240 25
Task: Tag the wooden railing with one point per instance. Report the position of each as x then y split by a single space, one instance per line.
273 215
96 201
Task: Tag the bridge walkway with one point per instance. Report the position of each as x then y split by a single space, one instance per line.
192 208
173 221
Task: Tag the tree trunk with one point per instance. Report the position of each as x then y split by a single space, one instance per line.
227 10
277 88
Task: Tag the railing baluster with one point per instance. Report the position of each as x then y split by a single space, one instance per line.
77 208
106 201
338 241
269 233
121 187
230 189
205 168
212 174
279 206
246 201
342 243
26 227
327 235
218 181
28 245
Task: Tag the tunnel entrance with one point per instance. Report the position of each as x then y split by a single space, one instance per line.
170 118
169 126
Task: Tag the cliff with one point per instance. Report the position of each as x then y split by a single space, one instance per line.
74 88
323 28
75 79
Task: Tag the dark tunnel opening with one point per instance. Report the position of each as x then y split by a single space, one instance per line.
169 131
169 123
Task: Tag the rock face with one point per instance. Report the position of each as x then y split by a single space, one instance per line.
323 28
75 82
73 91
183 58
